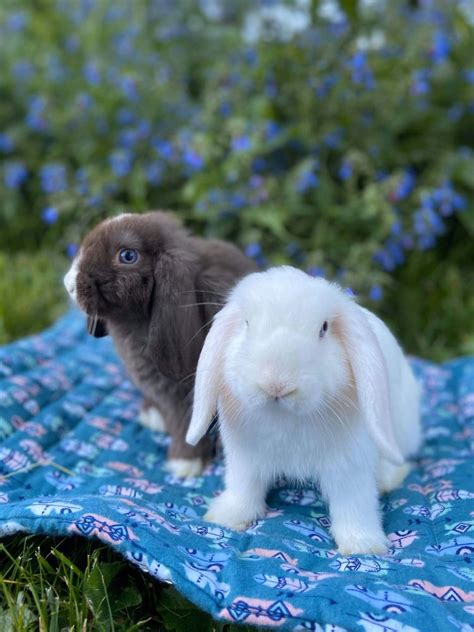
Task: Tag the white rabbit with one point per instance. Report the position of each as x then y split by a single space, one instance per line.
311 386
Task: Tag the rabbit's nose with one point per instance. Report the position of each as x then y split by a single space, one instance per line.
276 390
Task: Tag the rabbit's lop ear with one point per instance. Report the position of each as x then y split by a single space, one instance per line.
210 373
175 331
370 373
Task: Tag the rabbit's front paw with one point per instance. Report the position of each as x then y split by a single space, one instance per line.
359 543
229 511
151 418
185 468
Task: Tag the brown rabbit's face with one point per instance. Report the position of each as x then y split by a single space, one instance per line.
113 272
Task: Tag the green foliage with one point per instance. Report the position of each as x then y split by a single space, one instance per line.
31 292
337 140
73 584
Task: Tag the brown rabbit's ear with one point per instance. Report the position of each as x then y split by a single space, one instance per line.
175 336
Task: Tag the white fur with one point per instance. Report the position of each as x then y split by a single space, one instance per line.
119 217
341 410
151 418
70 278
184 468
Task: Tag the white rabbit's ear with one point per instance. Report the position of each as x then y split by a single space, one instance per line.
371 380
210 373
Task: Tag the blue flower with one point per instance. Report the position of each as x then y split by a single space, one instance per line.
192 159
225 109
128 85
163 148
326 84
376 293
272 129
345 172
271 89
407 242
259 164
123 43
434 221
56 70
53 178
251 56
50 215
6 143
395 250
448 200
94 200
425 242
215 196
237 201
125 116
420 82
468 75
241 143
84 101
120 162
316 271
91 73
154 173
128 138
455 112
15 174
35 118
16 21
253 250
405 186
143 128
333 139
307 180
72 250
384 259
71 43
82 186
293 250
360 70
396 228
441 47
23 70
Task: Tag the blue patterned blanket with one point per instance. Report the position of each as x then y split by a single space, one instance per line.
74 460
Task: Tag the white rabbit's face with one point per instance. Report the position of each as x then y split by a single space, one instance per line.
287 353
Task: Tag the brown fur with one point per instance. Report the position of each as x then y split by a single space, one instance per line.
158 310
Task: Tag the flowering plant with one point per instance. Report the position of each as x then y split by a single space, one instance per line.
335 136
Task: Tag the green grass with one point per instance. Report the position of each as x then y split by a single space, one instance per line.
54 585
32 295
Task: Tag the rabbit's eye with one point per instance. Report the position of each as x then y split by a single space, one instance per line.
323 329
128 255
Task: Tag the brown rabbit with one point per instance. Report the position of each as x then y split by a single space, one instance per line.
155 289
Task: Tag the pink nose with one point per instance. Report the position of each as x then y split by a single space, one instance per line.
276 390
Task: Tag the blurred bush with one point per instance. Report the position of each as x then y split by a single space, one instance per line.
335 136
31 294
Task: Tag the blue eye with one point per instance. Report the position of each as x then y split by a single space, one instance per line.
323 329
128 255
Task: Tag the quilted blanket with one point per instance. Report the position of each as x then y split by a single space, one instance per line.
75 460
